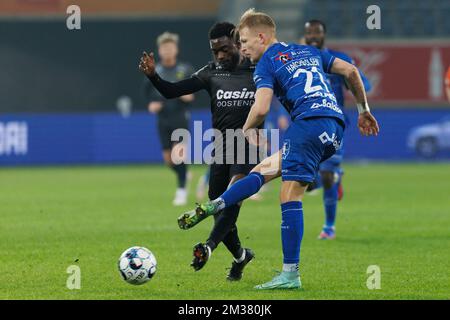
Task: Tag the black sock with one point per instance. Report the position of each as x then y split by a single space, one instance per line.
180 170
232 242
224 224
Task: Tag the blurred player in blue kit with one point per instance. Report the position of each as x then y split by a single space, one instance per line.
296 75
330 177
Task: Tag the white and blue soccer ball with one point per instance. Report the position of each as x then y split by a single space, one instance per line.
137 265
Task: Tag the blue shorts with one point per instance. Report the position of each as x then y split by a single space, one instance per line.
307 143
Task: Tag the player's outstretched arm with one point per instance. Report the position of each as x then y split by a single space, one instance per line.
168 89
367 123
260 108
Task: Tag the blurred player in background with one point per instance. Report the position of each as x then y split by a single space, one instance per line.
229 83
172 114
330 170
447 84
202 185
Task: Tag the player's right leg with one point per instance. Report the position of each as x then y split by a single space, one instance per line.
218 182
291 196
264 172
304 148
225 229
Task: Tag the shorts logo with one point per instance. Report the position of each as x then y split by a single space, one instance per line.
324 138
286 148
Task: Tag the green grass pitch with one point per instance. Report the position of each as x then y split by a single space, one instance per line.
394 216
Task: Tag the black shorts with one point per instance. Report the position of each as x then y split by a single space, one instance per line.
221 174
165 130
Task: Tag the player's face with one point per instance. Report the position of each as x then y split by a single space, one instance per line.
314 35
252 44
168 51
225 51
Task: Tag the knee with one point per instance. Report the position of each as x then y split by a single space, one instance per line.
178 153
292 191
166 158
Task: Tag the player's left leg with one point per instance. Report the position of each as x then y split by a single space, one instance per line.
180 169
165 131
178 152
330 176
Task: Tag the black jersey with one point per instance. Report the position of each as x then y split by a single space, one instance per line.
232 93
173 110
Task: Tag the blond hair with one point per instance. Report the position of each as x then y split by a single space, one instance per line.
167 37
252 19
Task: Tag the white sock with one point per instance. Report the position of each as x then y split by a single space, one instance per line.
209 251
241 258
219 203
290 267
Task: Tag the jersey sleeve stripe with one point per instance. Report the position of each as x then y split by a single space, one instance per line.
330 64
264 85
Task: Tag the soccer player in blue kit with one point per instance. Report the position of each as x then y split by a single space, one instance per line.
296 75
330 169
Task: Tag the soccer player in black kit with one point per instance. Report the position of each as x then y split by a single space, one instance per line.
171 114
229 82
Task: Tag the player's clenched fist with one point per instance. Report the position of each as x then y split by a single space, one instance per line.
147 64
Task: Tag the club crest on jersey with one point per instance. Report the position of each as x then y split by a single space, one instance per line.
286 148
283 57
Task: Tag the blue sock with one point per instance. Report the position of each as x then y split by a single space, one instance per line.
291 231
330 199
242 189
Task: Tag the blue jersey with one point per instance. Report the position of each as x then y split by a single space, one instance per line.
337 81
297 75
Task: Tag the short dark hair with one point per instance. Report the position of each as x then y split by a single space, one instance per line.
316 21
221 29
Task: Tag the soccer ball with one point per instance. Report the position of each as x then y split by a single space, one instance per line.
137 265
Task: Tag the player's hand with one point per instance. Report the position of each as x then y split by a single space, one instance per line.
147 64
187 98
367 124
155 106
